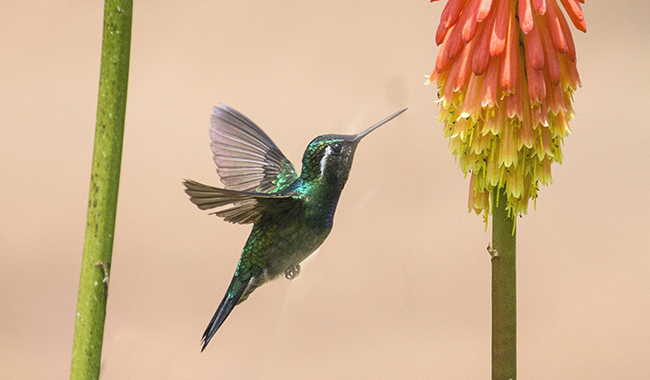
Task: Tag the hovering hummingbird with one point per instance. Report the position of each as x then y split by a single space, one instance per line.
291 214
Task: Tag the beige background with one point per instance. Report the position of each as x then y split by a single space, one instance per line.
401 289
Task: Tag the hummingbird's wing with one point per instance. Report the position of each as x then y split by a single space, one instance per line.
246 207
246 157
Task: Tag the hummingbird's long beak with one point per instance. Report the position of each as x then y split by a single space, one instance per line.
361 135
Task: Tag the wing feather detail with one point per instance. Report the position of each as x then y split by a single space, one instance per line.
246 207
246 157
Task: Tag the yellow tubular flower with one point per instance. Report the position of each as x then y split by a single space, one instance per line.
506 72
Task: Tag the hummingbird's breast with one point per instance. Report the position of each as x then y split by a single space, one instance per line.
300 232
292 243
286 239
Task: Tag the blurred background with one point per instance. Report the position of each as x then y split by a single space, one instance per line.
401 288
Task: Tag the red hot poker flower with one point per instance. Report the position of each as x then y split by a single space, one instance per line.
506 72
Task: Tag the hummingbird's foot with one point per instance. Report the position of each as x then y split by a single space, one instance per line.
493 252
292 272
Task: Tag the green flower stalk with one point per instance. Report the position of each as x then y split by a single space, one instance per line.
104 185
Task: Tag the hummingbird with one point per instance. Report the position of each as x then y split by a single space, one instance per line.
291 214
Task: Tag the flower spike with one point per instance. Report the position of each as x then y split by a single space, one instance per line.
506 73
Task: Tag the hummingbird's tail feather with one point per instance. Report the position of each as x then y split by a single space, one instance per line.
207 197
246 207
229 301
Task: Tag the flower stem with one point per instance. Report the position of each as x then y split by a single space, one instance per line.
504 291
104 185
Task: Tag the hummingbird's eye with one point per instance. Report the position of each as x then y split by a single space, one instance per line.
336 148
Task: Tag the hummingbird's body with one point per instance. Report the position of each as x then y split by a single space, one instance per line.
292 214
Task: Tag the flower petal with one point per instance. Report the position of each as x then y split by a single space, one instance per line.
509 63
500 29
575 14
552 67
555 29
566 31
484 10
482 51
450 14
525 16
534 49
468 20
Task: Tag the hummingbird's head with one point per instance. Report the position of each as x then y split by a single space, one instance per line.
329 157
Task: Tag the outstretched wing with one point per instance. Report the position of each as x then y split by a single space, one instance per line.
246 158
246 207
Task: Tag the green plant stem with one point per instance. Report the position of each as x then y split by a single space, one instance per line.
504 291
104 185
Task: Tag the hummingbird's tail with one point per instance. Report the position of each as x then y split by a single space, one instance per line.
230 300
